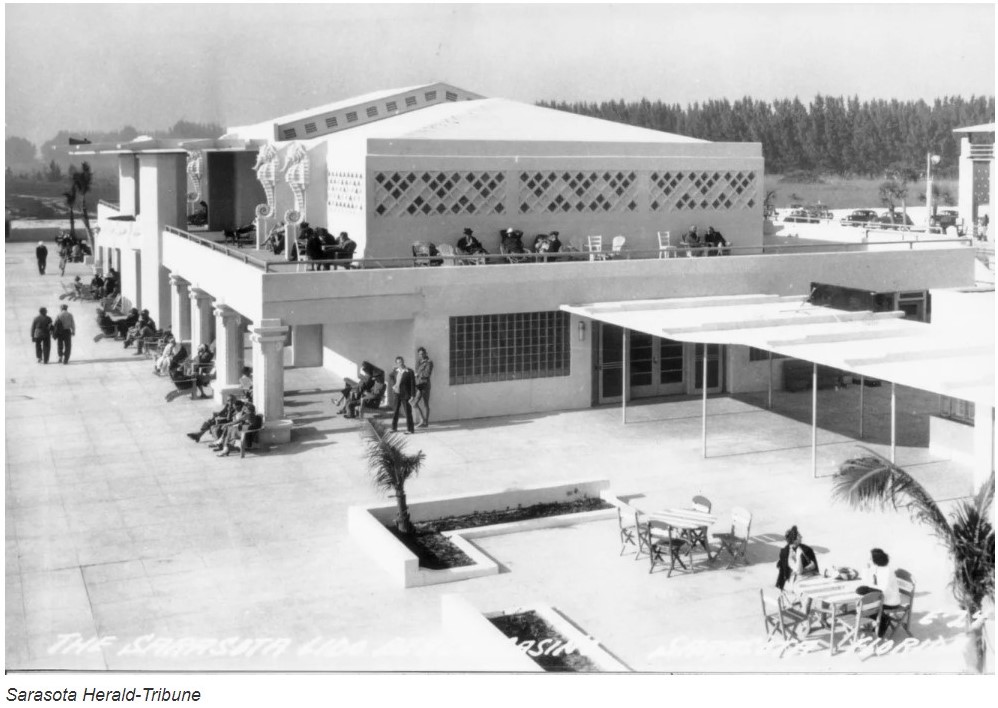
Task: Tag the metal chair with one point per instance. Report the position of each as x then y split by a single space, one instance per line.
735 543
900 617
660 540
665 247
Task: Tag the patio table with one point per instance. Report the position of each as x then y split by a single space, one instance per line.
829 597
691 524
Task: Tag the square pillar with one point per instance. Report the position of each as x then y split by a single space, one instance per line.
228 351
180 308
984 442
202 320
268 379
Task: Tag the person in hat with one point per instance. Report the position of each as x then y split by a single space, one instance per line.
796 559
64 329
468 244
41 255
554 243
41 328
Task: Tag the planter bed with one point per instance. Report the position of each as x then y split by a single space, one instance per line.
435 550
502 512
542 642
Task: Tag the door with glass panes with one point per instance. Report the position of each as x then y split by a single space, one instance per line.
655 366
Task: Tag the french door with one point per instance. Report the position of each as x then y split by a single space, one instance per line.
655 366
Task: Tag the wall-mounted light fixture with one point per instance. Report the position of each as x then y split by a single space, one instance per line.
582 330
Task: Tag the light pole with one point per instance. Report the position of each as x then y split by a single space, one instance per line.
930 160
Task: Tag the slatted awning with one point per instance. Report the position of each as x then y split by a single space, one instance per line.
881 345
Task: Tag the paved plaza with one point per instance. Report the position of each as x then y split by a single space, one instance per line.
120 528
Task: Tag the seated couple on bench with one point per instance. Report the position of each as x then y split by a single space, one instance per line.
235 425
367 393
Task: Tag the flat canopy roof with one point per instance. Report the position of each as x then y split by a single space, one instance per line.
154 145
881 345
983 128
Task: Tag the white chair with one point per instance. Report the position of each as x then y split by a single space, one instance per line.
735 543
617 245
665 247
594 244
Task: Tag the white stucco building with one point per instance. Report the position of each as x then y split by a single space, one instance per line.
422 164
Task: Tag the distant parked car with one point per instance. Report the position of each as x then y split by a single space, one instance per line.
896 220
800 216
945 218
858 217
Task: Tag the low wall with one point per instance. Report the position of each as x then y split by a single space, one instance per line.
23 231
368 527
486 648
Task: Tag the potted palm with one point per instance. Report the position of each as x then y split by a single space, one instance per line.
873 481
391 466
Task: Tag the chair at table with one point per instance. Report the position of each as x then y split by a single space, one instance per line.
699 536
787 620
735 543
661 539
864 618
421 252
632 530
900 617
447 252
617 246
594 244
665 247
701 503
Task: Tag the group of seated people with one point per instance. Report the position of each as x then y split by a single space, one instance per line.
711 243
321 245
369 391
228 424
510 244
200 215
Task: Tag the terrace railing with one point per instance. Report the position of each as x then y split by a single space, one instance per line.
677 252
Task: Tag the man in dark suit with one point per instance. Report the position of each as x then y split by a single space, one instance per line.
41 254
403 382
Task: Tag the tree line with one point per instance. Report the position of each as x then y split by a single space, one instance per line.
832 135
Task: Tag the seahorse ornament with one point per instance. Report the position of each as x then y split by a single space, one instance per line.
296 168
266 173
194 163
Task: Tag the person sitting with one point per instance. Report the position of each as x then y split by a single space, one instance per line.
201 369
880 576
553 242
512 243
143 324
469 245
199 217
540 244
275 240
170 347
97 284
370 397
177 360
241 421
216 420
235 236
104 323
691 242
127 323
796 560
313 246
716 241
353 389
345 248
246 381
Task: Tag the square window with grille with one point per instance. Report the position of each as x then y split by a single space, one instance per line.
430 95
450 96
372 111
352 117
310 128
331 122
525 345
391 106
410 101
290 134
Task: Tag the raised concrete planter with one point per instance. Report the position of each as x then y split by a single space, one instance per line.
368 527
462 619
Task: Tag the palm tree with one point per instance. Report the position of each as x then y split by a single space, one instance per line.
391 467
873 481
71 205
82 182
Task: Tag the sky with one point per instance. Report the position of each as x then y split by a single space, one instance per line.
101 67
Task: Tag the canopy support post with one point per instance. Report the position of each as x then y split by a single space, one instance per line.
704 382
623 378
893 423
814 420
862 387
769 399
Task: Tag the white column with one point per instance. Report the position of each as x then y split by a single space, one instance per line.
814 420
268 379
703 428
623 377
894 420
228 348
180 308
201 318
769 393
984 442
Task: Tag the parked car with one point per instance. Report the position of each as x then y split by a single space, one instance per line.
945 218
896 220
858 217
800 216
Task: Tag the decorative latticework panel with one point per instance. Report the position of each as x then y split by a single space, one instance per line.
707 191
346 191
439 193
577 191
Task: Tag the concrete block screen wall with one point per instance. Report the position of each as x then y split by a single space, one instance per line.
431 191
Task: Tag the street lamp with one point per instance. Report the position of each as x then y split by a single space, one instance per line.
930 160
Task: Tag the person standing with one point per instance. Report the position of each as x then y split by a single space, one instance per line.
41 333
64 329
404 384
424 369
42 254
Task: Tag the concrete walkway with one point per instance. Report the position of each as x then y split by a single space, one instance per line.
120 528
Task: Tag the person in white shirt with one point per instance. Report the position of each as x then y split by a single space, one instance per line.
880 575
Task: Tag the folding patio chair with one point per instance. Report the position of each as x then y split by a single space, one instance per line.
787 621
632 530
900 617
660 540
735 543
665 247
594 244
864 618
